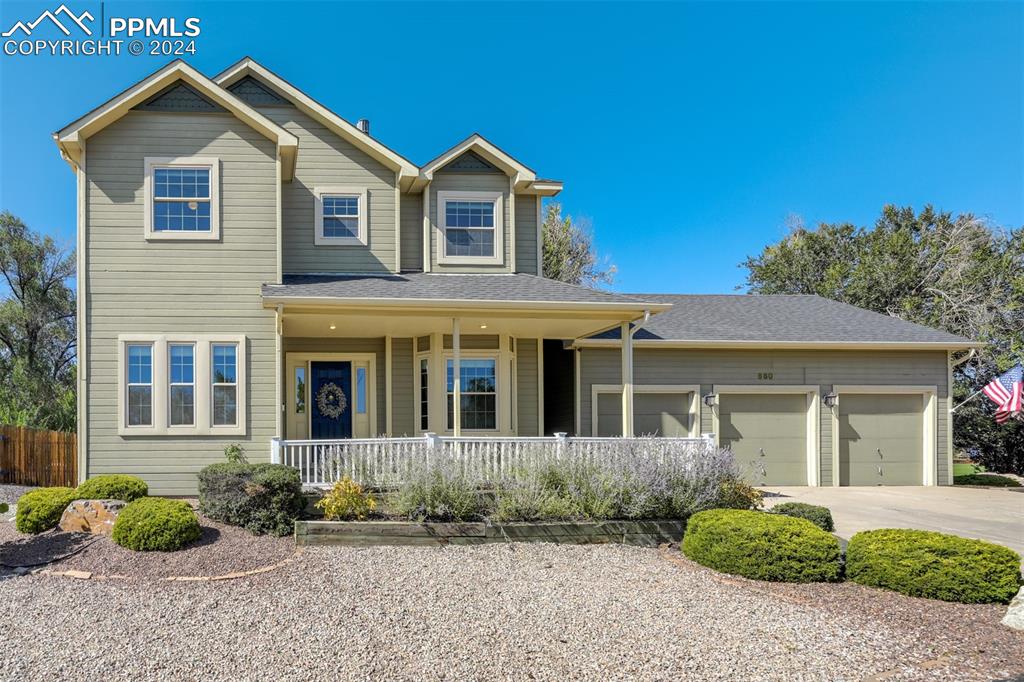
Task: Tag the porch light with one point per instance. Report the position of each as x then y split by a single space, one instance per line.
710 399
830 399
332 326
483 326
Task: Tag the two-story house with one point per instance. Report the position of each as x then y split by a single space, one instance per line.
252 266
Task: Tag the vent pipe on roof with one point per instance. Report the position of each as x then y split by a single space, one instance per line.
364 125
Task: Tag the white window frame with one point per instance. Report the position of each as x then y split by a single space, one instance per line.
171 383
202 377
498 199
214 384
340 191
123 405
205 162
496 357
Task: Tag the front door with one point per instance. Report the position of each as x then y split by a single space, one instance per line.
330 393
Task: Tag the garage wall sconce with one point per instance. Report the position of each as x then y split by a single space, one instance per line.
830 399
710 399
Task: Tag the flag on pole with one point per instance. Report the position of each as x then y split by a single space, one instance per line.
1006 392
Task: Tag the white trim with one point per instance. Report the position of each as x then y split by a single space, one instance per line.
360 193
294 360
949 418
667 344
81 312
398 227
540 241
929 438
497 198
520 174
812 415
513 263
501 390
203 162
203 421
388 403
426 229
693 410
540 386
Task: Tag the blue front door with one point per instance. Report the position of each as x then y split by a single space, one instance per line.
330 385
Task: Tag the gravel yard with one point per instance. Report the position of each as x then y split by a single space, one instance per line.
220 549
490 612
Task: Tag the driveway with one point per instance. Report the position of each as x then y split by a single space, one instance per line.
995 515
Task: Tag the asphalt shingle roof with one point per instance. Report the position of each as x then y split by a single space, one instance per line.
430 286
795 318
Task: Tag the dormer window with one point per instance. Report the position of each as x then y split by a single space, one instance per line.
471 227
340 216
182 198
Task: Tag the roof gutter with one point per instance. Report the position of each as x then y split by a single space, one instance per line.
794 345
641 310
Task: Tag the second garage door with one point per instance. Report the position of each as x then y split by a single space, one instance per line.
880 439
768 434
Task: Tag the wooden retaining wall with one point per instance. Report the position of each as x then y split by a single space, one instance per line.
372 533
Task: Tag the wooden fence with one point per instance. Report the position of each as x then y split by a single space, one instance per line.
34 457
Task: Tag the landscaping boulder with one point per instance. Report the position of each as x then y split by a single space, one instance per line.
1014 617
91 516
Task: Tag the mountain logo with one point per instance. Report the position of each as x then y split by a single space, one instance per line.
69 16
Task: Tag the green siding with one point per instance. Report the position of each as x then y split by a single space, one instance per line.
526 233
327 159
526 387
135 286
403 419
788 367
411 220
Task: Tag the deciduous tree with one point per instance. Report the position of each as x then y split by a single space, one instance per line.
37 329
569 254
956 273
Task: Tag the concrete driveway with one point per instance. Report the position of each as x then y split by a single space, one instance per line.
994 515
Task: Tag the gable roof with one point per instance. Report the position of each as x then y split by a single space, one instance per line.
69 139
797 321
247 66
522 175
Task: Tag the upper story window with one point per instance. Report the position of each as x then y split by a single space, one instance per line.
182 198
340 216
471 227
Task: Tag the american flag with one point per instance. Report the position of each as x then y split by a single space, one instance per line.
1005 391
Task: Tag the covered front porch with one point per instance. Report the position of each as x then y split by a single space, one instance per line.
396 363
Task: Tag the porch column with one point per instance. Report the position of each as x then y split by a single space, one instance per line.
627 380
456 381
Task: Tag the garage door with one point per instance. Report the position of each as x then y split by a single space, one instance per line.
880 439
654 414
768 434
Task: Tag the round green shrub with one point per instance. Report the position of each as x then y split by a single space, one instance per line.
113 487
923 563
41 509
762 546
819 516
156 524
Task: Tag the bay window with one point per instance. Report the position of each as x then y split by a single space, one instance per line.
478 393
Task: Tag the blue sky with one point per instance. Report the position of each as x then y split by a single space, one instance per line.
685 133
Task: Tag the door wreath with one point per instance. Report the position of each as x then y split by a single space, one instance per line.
331 400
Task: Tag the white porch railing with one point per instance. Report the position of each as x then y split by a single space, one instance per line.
385 461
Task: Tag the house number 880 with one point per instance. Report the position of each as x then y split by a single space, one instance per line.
765 376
